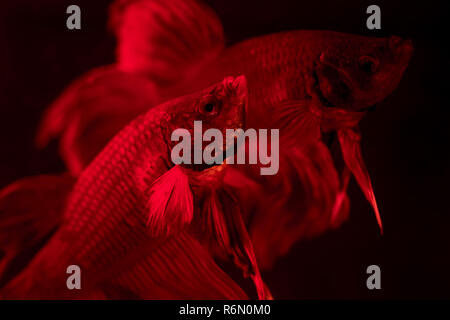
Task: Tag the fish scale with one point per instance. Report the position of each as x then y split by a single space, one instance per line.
95 229
277 67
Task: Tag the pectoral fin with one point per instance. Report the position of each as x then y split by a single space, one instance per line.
170 204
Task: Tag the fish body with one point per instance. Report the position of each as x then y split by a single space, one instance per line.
107 211
322 69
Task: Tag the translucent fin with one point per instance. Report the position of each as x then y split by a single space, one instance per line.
170 204
179 268
91 110
165 40
223 220
351 151
294 204
31 209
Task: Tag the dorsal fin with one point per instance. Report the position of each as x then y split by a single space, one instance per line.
165 40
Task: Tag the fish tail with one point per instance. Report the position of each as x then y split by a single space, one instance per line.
91 110
188 32
30 211
177 268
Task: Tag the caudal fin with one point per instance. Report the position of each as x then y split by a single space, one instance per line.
30 211
161 46
167 41
177 268
91 110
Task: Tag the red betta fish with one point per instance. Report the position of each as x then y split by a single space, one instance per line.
306 83
131 202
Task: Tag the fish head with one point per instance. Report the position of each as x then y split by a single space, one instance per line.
356 72
221 106
184 187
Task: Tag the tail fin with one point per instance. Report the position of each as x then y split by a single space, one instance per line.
91 110
167 41
177 268
161 46
30 211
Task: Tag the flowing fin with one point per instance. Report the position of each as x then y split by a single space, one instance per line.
351 151
299 125
170 204
223 219
294 204
31 209
167 41
91 110
178 268
341 205
220 221
160 45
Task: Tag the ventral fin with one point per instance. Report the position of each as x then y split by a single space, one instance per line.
223 219
351 150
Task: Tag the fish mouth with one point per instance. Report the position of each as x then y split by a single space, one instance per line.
240 87
326 102
200 167
223 154
318 90
240 91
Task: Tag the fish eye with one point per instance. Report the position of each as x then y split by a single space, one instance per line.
368 64
209 106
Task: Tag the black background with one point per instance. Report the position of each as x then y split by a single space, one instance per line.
405 141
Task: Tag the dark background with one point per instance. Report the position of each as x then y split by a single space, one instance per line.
405 141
